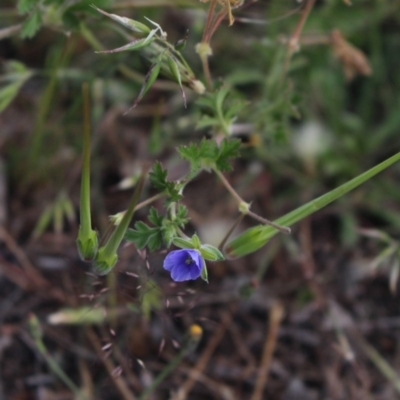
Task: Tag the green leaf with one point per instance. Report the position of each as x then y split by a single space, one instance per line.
31 25
132 46
169 232
16 67
158 178
155 218
144 235
181 215
200 155
256 237
25 6
208 155
220 109
8 93
206 121
227 150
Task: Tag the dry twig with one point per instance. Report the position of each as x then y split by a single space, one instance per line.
275 318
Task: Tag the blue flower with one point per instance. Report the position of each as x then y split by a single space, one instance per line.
184 264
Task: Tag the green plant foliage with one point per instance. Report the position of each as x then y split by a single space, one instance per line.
158 178
25 6
256 237
163 231
31 25
208 155
219 109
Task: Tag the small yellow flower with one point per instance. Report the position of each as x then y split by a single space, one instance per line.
195 331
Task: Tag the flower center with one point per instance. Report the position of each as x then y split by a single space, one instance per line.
189 260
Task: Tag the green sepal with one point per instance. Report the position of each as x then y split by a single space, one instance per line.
196 242
181 43
173 67
150 78
132 46
204 272
131 24
104 261
168 232
211 253
31 25
183 243
87 244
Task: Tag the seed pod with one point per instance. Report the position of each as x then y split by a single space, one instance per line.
150 78
211 253
250 241
181 43
135 45
173 67
131 24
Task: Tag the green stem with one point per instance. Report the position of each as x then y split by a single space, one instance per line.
107 255
86 220
322 201
36 334
265 221
244 207
256 237
229 233
116 237
167 370
228 186
90 38
87 238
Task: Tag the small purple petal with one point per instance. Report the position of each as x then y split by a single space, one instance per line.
174 258
184 264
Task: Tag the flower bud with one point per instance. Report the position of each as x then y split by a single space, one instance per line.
250 241
211 253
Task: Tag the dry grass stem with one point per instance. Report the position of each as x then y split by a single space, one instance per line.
206 355
275 318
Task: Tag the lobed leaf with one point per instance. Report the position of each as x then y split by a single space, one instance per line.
143 236
31 25
25 6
